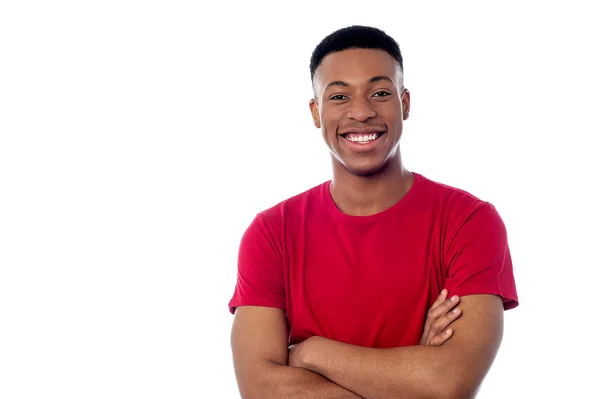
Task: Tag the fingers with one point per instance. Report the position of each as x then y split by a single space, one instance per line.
441 298
441 314
441 338
440 325
443 308
432 314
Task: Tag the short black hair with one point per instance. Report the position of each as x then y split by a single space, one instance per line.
352 37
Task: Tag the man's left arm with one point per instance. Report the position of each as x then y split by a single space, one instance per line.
479 270
455 369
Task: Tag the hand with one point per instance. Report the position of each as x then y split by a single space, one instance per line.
298 352
441 314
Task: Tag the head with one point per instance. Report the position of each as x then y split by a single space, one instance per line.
359 100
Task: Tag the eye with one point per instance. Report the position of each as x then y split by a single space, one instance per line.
338 97
381 94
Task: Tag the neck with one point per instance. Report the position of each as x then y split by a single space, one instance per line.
367 195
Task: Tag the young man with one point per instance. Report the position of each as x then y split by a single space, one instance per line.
338 291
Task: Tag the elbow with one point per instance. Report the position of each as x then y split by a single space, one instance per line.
461 393
249 391
442 389
255 391
261 383
455 388
254 395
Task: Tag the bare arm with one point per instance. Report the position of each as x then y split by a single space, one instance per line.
452 370
259 342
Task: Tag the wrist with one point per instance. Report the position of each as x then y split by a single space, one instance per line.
310 356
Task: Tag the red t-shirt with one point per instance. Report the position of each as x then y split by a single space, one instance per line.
369 280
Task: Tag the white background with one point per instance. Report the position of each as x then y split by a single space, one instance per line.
138 140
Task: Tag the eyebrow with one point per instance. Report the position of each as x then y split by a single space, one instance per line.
374 79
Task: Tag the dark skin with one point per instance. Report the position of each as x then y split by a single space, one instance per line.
357 90
264 367
361 91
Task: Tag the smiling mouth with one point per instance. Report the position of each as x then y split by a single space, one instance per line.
362 138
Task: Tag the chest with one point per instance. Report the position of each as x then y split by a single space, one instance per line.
368 285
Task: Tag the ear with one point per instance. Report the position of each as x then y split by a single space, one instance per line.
314 110
405 104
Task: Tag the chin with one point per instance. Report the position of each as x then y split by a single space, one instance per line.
364 170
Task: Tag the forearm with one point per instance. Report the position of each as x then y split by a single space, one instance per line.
276 381
407 372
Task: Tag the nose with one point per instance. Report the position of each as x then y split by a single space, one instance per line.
361 109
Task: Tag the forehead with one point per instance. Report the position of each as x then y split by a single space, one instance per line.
356 66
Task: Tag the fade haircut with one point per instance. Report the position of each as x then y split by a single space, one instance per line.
354 37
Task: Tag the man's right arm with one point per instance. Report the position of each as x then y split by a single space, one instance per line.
259 342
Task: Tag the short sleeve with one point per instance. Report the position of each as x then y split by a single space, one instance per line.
260 280
478 259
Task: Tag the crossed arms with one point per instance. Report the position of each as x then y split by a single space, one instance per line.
323 368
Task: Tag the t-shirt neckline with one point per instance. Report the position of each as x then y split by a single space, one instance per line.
406 199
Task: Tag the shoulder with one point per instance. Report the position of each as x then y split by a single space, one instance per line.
296 203
295 207
456 208
452 201
264 235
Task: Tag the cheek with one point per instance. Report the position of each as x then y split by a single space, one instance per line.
330 120
391 113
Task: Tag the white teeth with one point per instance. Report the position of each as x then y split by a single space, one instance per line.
363 138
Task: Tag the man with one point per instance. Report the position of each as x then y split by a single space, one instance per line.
334 284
